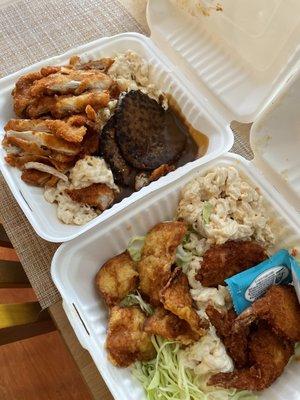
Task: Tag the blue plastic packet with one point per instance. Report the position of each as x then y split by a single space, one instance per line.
249 285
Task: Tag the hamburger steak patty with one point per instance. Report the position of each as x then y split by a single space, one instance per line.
147 135
123 173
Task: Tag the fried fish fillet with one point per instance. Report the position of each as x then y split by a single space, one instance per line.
66 105
169 326
225 260
22 97
68 81
117 278
158 255
97 195
280 308
176 297
269 354
62 129
236 343
126 340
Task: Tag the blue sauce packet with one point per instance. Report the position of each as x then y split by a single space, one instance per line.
249 285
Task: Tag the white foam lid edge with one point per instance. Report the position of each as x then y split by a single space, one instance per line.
234 93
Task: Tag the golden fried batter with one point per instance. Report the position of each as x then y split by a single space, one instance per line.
126 340
21 93
35 177
117 278
224 260
269 354
97 195
176 298
280 308
171 327
236 343
158 255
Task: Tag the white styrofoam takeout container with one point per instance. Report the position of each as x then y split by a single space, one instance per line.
274 170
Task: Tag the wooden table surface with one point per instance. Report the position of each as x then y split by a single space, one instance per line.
82 358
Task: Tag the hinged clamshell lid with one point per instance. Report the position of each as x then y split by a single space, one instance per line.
238 57
275 141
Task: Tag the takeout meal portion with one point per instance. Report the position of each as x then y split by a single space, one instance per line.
171 315
91 133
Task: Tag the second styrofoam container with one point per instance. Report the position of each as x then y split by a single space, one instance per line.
198 112
76 263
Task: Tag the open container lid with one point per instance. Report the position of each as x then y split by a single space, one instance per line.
239 57
244 60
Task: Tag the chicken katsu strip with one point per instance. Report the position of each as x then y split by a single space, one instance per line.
117 278
59 128
97 195
63 106
176 298
69 81
41 141
279 307
103 64
236 343
158 255
21 93
269 354
225 260
126 340
35 177
170 327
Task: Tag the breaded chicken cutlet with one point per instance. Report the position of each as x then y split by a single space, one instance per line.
225 260
117 278
96 195
126 340
158 255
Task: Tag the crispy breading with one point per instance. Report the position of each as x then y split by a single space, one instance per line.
158 255
279 307
21 93
69 81
25 146
126 340
117 278
236 343
269 355
42 141
176 297
222 261
97 195
18 161
103 64
169 326
35 178
59 128
162 170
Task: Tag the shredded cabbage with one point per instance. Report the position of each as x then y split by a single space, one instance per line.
136 299
206 211
135 247
165 378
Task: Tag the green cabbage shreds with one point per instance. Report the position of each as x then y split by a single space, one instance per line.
135 247
166 377
183 257
136 299
206 211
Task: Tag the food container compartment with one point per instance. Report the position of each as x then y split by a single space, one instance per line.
202 116
76 263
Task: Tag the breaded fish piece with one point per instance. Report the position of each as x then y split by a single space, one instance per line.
126 340
35 177
225 260
59 128
69 81
97 195
279 307
176 297
22 97
38 141
236 343
158 255
117 278
170 327
269 354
